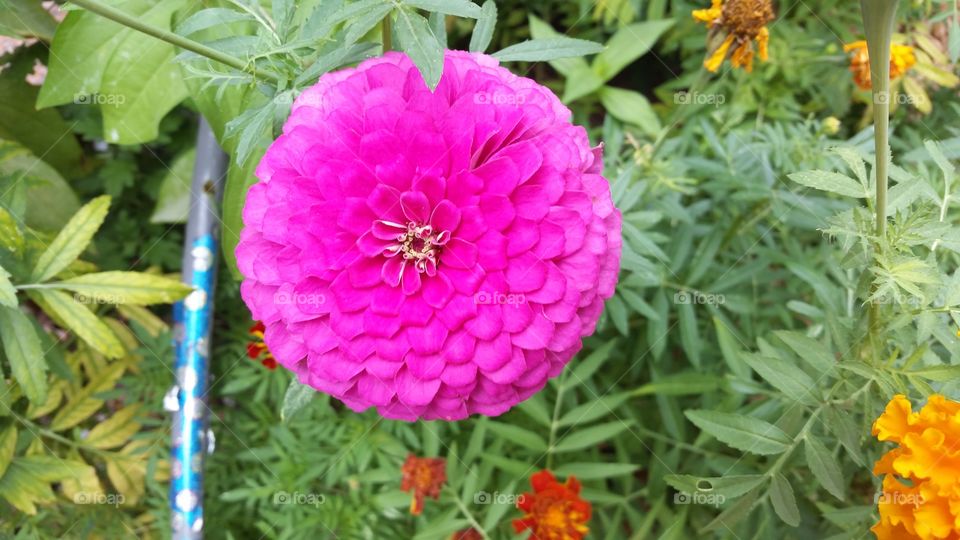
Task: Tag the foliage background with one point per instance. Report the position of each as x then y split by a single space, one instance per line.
736 350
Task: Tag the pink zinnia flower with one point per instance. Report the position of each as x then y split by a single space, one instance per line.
432 254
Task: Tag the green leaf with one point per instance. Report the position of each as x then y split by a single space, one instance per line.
733 514
8 445
938 373
593 409
211 18
810 350
460 8
48 197
830 181
173 200
483 31
131 75
8 294
786 377
628 44
630 107
116 430
689 333
591 436
124 288
784 503
23 350
824 466
44 132
584 369
26 18
741 432
297 397
594 471
424 48
565 66
680 384
239 180
518 435
542 50
10 236
365 23
81 320
72 240
727 486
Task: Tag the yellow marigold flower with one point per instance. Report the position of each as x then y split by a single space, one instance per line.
744 22
901 59
921 484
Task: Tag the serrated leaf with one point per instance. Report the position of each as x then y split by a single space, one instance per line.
8 444
22 348
784 376
591 436
83 404
544 50
72 240
830 181
8 294
116 430
460 8
421 45
783 500
298 395
80 320
824 466
518 435
483 31
741 432
728 486
124 288
810 350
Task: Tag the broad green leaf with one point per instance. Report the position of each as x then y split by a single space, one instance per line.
80 320
418 41
628 44
298 395
785 376
824 466
543 50
581 438
728 486
116 430
460 8
483 31
72 240
10 236
784 503
48 197
592 471
630 107
23 350
130 75
124 288
741 432
830 181
8 294
239 180
43 133
26 18
173 200
518 435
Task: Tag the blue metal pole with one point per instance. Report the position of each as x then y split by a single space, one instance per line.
193 318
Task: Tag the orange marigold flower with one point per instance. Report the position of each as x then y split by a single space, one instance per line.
901 59
425 477
921 484
257 349
554 511
744 22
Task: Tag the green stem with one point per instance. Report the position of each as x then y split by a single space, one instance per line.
878 22
115 15
386 34
555 423
467 513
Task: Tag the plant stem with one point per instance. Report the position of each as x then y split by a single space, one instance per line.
386 34
115 15
878 21
467 513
